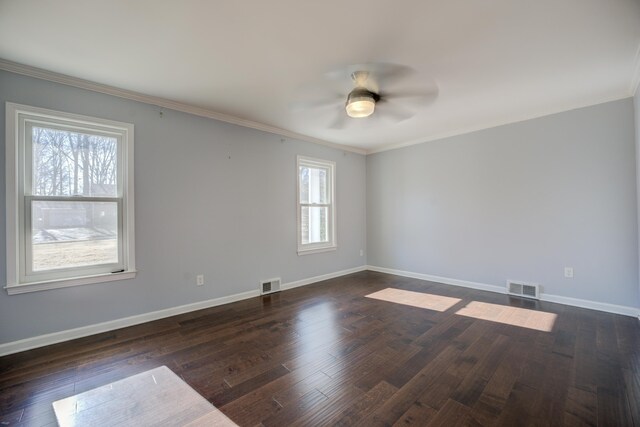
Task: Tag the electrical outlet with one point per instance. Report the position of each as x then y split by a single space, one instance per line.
361 252
200 279
568 272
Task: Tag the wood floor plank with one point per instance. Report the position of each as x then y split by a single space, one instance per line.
440 390
329 408
325 354
286 396
613 408
305 404
632 387
409 393
581 408
519 406
220 396
452 413
586 358
474 383
394 361
418 414
363 406
432 348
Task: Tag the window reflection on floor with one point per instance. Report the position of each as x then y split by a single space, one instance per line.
515 316
415 299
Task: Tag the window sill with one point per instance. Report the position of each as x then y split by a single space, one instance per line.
316 250
65 283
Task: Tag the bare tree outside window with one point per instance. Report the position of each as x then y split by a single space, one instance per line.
67 233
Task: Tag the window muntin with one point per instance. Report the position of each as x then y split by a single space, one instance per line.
70 196
316 206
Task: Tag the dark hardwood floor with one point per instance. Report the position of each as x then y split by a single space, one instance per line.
326 355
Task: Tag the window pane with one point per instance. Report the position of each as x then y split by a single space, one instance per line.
315 224
314 185
304 184
67 163
73 234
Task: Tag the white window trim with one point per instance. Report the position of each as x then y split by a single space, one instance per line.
332 245
14 284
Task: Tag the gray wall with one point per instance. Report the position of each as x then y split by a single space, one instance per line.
520 201
211 198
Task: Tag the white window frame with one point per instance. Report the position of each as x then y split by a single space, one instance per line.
332 244
19 278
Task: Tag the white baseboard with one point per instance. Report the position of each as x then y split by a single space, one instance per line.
70 334
83 331
576 302
439 279
593 305
322 277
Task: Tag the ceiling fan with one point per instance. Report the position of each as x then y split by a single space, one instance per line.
367 99
361 102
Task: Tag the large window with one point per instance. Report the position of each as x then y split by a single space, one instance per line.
316 205
69 199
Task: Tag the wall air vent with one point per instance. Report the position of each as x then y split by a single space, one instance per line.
521 289
270 286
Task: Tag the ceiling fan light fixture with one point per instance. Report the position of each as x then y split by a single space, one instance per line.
360 103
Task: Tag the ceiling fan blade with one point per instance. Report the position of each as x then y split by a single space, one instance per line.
430 92
316 104
412 101
341 121
376 69
393 111
386 74
379 75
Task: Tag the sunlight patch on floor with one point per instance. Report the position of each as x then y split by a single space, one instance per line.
515 316
415 299
156 397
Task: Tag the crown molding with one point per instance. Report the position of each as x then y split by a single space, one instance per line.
491 125
39 73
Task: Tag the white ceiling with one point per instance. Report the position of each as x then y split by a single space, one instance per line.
493 61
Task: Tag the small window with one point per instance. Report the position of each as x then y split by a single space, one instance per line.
316 205
69 199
